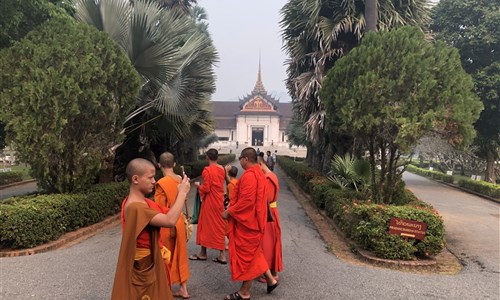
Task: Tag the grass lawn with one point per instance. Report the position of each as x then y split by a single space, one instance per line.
23 168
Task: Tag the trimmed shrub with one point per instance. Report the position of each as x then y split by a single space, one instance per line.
368 223
10 177
372 231
299 171
431 174
482 187
34 220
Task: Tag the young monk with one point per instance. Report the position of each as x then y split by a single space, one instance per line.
271 243
247 214
211 229
141 272
231 179
175 238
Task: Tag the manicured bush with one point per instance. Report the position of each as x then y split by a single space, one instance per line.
299 171
372 231
482 187
431 174
34 220
10 177
368 223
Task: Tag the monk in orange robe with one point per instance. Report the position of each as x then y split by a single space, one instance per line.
231 179
247 214
175 238
141 248
211 231
271 243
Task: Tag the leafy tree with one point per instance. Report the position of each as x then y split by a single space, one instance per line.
296 133
18 17
472 27
175 60
316 34
65 90
391 90
2 136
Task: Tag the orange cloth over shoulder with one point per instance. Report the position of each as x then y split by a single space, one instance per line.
165 195
230 187
248 216
211 229
271 243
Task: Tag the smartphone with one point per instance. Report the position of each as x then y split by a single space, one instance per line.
183 173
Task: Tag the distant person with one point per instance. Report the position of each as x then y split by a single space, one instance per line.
141 249
247 214
271 243
237 144
211 230
270 161
260 154
174 238
231 172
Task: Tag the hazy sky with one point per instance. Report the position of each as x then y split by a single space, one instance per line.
240 29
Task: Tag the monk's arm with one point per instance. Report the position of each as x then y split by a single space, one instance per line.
170 218
205 187
246 199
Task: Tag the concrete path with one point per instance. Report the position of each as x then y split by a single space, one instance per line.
86 271
18 190
472 222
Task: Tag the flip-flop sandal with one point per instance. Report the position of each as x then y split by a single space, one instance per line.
196 257
217 260
271 288
235 296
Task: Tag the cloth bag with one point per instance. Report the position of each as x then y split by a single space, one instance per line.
196 208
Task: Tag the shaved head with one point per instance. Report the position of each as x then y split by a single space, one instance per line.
138 166
250 153
167 160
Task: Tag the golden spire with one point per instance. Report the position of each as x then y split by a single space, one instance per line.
259 87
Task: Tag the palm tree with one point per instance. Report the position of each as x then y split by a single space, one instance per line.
175 60
316 34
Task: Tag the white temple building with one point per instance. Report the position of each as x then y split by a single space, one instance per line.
258 120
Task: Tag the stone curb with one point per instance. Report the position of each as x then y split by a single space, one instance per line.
16 183
366 256
67 239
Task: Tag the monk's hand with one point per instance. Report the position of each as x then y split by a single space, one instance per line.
184 186
228 168
225 214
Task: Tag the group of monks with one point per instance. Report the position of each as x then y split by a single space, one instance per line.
153 253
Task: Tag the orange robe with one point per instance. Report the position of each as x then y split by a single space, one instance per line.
230 187
129 282
248 216
211 229
271 243
165 195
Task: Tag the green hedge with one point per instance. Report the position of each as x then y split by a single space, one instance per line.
10 177
368 223
34 220
299 171
431 174
194 169
482 187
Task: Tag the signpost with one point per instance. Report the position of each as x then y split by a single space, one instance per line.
408 228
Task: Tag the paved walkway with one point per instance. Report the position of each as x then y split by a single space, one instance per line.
86 271
472 222
18 190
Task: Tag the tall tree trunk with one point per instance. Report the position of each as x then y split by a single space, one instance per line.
371 15
490 166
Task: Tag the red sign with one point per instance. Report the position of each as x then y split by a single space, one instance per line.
408 228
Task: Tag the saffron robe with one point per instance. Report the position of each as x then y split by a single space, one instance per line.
211 229
129 282
271 243
165 195
248 217
230 187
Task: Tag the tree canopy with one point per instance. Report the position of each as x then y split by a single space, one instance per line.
472 27
65 90
394 88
